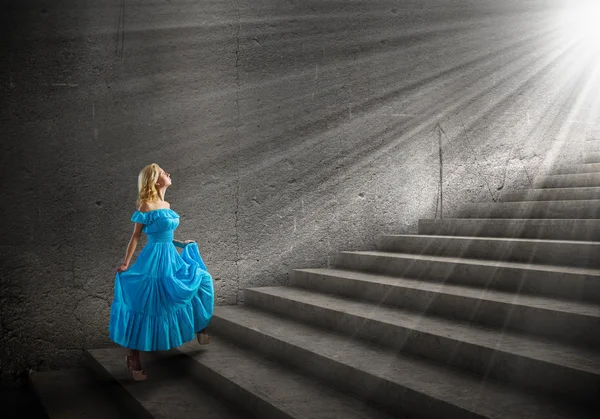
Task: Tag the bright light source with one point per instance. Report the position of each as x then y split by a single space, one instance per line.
582 20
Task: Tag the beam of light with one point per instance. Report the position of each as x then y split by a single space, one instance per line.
581 22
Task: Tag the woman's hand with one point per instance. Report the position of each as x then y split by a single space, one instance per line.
189 241
122 268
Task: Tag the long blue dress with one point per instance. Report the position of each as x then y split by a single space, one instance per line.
164 298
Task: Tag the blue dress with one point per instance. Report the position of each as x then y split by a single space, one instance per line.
164 298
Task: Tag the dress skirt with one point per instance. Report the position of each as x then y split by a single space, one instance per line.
163 300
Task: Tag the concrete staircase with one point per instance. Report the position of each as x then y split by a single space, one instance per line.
494 314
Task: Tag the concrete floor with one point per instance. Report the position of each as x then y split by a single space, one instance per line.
20 403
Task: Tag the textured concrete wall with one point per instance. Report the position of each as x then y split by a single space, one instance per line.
292 130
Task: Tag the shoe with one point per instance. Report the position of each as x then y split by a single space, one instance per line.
138 375
203 337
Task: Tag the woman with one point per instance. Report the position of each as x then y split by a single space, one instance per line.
165 298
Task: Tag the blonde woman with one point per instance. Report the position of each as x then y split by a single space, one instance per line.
165 298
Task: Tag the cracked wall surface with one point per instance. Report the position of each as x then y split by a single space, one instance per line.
292 130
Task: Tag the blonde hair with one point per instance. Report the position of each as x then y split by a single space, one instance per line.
147 184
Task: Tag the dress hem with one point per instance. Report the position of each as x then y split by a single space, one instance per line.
162 332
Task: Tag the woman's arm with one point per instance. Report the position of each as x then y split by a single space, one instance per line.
178 243
133 241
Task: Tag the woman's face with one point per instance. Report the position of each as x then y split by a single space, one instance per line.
164 178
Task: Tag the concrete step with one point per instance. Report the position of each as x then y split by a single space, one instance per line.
550 194
365 325
76 393
541 316
580 209
267 389
405 384
551 229
575 180
167 392
568 283
593 157
577 168
550 252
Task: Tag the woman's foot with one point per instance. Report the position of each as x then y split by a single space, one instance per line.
134 366
203 337
135 363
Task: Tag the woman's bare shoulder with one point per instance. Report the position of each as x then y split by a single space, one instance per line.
145 206
150 206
